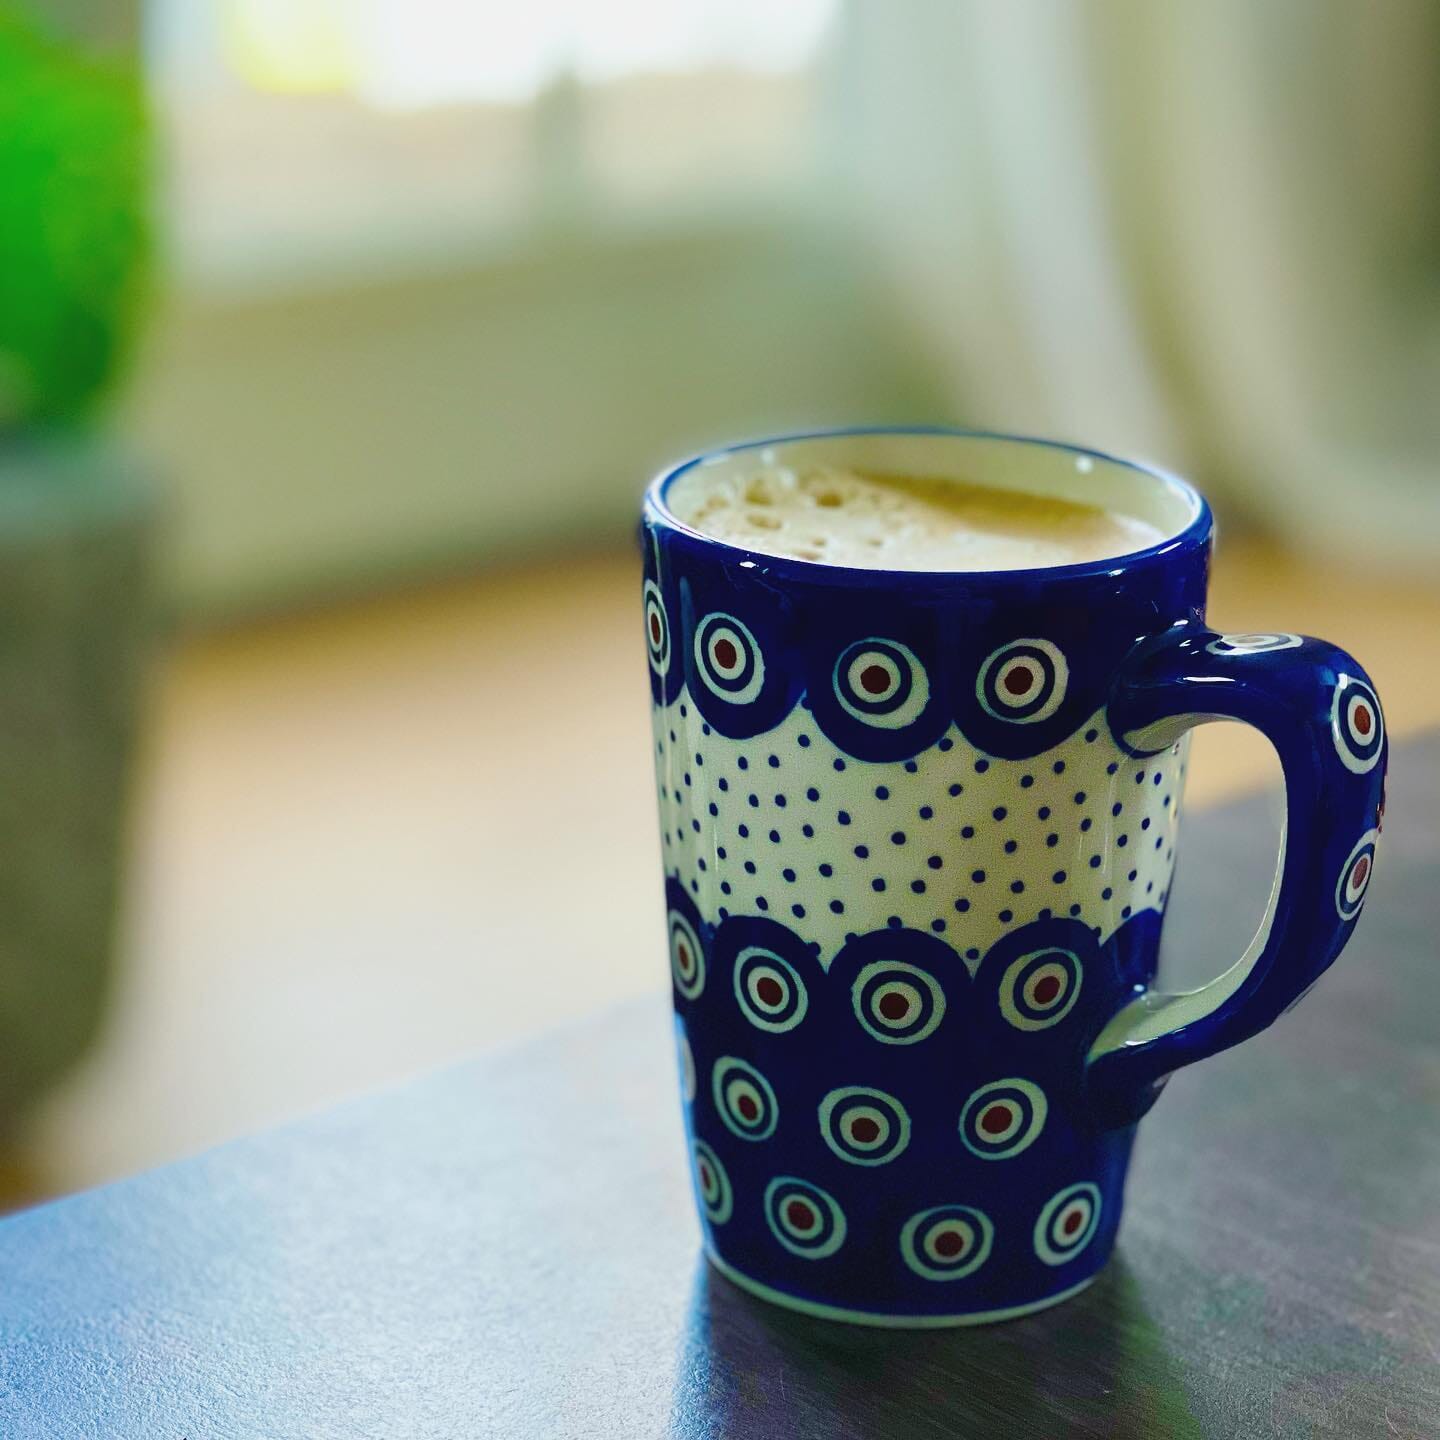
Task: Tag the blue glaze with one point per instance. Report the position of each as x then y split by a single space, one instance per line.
915 1096
1308 697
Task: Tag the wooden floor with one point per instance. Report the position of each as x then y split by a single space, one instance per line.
372 840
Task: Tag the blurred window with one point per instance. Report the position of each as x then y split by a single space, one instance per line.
312 134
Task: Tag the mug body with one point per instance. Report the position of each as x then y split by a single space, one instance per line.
910 874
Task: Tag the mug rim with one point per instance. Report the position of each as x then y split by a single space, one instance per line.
1195 533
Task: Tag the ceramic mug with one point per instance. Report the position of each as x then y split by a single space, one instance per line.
919 830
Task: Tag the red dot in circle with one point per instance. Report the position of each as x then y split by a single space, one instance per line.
1046 989
874 679
683 957
1072 1222
864 1129
800 1215
706 1178
894 1006
654 628
994 1119
1018 679
1363 719
768 991
949 1244
1361 870
747 1107
724 653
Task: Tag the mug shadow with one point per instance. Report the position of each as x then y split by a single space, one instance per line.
1095 1365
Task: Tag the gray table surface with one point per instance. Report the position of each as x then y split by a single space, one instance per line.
507 1248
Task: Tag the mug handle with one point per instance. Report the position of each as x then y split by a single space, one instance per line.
1320 712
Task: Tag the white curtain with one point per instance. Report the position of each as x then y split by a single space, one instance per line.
1204 231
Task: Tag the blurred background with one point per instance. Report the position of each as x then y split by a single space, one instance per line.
338 337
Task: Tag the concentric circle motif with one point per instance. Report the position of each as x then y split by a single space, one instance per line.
712 1184
1355 876
805 1219
771 993
899 1004
947 1242
1040 989
1357 724
657 629
864 1126
1023 681
1003 1118
687 959
744 1099
881 683
685 1058
1260 643
728 658
1068 1223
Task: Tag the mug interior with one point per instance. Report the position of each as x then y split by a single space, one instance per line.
1003 462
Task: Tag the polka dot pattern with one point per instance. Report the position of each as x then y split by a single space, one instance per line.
1023 682
769 990
898 1003
1067 1223
687 958
1355 876
1003 1118
728 658
744 1099
947 1242
979 852
805 1219
657 630
712 1184
1258 643
1040 989
864 1126
882 683
1357 725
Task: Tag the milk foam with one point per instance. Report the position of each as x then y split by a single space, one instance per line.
884 522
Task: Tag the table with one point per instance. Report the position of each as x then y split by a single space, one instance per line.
506 1248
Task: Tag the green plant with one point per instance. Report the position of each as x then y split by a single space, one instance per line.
74 223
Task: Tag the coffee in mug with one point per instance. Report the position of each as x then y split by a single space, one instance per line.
920 704
900 522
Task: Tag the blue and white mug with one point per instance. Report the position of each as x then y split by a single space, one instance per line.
919 831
